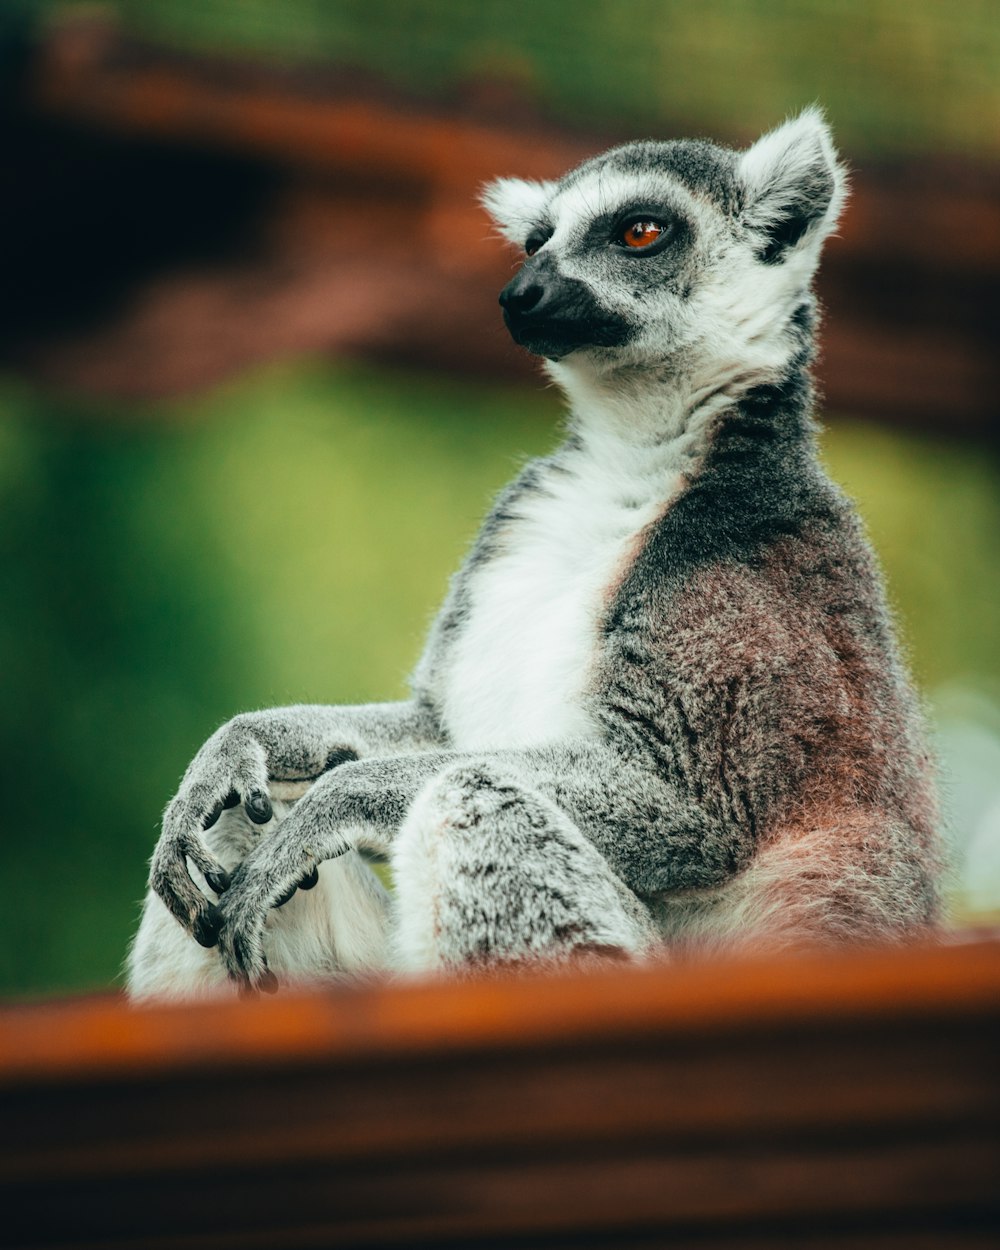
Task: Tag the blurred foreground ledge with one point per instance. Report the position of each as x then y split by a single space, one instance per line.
180 217
847 1100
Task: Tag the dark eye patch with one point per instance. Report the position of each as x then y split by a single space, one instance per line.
537 239
608 229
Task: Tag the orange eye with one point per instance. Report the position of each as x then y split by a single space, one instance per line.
536 240
641 233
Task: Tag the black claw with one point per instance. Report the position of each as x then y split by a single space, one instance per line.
207 925
258 807
280 902
219 881
308 882
268 982
231 800
212 816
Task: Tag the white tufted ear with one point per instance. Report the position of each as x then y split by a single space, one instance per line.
517 206
794 186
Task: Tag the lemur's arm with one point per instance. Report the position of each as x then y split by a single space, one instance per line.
295 746
654 837
240 762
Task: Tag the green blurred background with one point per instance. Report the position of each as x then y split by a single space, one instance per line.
287 535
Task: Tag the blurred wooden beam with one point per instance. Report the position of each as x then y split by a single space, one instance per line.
848 1100
371 241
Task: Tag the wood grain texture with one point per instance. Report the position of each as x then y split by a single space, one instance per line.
848 1100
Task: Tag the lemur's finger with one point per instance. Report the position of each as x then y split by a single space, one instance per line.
212 816
206 863
243 957
231 800
219 881
266 983
170 872
207 924
282 899
245 772
170 879
308 882
258 807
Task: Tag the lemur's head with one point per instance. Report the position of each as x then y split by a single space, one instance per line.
679 254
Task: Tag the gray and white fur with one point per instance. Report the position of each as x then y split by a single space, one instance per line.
662 707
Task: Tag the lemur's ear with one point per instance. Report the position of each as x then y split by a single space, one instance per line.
794 186
517 206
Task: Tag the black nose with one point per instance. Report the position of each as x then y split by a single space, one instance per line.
525 293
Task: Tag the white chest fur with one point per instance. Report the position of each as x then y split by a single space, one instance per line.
521 665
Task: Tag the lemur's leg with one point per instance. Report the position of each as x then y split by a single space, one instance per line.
653 837
335 925
488 871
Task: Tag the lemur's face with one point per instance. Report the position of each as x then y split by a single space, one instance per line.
666 253
616 251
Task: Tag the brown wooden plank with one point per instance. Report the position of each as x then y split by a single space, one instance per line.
944 982
854 1095
352 1111
712 1184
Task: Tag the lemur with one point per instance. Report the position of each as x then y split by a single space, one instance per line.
662 708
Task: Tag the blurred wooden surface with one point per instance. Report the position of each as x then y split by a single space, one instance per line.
182 217
818 1101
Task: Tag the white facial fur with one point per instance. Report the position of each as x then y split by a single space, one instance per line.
517 205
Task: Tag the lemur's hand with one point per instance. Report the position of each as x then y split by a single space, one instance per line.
240 763
286 860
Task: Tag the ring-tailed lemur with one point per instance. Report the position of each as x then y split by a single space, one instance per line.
662 704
